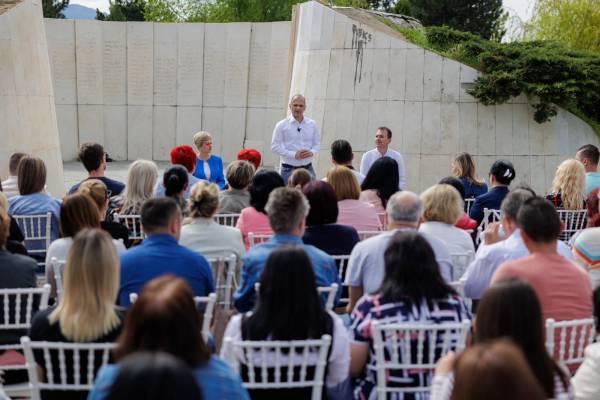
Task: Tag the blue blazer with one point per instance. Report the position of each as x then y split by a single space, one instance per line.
473 190
491 199
216 170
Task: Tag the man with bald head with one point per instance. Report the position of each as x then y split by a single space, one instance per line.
296 140
366 267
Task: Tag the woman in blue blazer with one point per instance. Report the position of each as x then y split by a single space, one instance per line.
208 166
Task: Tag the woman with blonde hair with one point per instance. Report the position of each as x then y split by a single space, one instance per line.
353 212
442 207
141 179
568 186
201 233
208 166
87 312
463 167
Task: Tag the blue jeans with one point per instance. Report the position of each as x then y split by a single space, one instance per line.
286 171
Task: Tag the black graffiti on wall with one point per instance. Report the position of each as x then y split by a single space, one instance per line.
360 38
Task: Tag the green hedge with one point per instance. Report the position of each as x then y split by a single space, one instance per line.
546 71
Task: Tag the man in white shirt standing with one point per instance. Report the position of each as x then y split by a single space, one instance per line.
296 140
383 138
10 187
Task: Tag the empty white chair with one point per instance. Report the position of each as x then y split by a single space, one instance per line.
258 238
85 358
134 225
574 221
208 304
406 348
281 364
36 231
567 340
226 219
460 262
362 235
224 271
57 269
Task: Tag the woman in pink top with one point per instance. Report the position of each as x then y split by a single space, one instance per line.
380 184
254 218
353 212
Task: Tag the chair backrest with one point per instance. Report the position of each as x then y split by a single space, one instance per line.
382 218
37 232
258 238
281 364
574 220
85 358
468 204
331 291
489 215
224 272
342 265
57 269
362 235
460 262
133 223
226 219
208 303
405 349
576 334
19 306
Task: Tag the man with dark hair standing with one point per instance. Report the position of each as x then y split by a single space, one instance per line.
93 158
383 138
589 156
341 154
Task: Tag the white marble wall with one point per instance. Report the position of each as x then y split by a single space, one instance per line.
28 120
140 88
356 78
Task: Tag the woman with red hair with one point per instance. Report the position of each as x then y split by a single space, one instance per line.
251 155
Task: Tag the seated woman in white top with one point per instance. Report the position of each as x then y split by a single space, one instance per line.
442 207
289 308
77 212
201 233
353 212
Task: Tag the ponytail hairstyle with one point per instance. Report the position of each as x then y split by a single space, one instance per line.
175 180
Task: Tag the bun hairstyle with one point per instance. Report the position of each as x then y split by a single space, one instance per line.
175 180
503 171
204 200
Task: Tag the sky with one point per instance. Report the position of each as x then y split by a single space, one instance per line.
521 8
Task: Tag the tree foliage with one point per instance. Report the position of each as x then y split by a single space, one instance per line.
54 8
123 10
576 23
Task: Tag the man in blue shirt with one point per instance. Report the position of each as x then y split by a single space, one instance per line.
589 156
160 254
287 209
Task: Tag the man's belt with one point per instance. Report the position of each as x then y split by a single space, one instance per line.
296 166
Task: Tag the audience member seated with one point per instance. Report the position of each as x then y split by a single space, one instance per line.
87 312
464 222
586 249
322 231
77 212
14 241
94 158
442 207
32 199
154 376
208 166
201 233
510 309
175 182
352 212
342 155
586 381
366 267
164 318
563 288
234 199
463 167
186 157
568 186
160 254
412 291
289 308
299 178
589 155
501 175
252 156
10 187
16 271
254 218
502 241
98 192
141 179
287 209
380 183
489 371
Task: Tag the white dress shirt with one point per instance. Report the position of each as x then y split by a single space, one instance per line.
10 187
289 136
372 155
